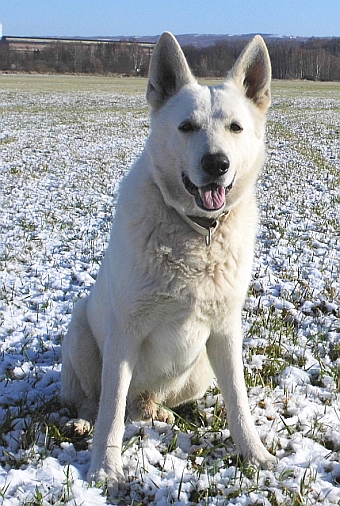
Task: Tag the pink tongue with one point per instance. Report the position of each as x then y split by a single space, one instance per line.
213 198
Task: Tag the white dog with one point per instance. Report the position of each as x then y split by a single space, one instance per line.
164 315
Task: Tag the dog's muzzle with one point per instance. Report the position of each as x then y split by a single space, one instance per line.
210 197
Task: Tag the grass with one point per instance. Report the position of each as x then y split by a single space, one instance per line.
71 83
132 85
56 233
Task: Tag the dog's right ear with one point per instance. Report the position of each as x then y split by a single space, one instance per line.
252 73
168 73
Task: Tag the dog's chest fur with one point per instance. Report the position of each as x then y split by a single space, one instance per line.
185 270
196 271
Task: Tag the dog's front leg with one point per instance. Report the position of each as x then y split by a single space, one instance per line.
225 355
118 363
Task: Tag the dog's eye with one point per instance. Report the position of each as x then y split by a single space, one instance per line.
236 128
186 127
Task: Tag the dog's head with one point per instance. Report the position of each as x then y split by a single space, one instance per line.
207 144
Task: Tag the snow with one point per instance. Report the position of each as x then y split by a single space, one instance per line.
62 154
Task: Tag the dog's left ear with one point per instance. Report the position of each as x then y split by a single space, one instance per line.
168 73
252 73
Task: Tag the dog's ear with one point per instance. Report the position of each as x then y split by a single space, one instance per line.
168 72
252 73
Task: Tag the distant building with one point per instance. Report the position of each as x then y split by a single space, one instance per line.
61 54
31 44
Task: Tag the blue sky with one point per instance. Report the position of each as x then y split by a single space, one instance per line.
320 18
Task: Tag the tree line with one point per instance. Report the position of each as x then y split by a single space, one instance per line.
314 59
78 57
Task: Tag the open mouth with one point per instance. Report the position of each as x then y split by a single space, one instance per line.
210 197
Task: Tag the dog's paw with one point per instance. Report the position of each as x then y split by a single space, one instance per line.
165 415
141 408
263 459
252 450
269 462
77 427
112 482
146 408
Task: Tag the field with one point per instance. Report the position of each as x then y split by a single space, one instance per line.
65 142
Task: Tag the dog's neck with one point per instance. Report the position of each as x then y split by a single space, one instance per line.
204 226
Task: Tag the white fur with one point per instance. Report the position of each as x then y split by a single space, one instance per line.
164 315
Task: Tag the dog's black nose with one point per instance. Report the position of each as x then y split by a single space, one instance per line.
215 164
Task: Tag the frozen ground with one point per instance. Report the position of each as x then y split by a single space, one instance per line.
64 145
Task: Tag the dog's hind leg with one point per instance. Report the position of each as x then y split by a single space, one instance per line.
155 405
81 369
195 385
